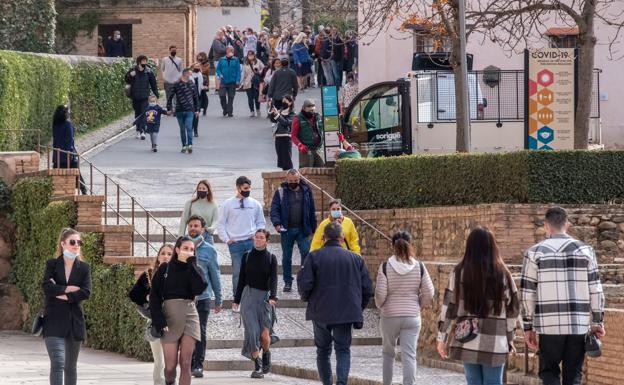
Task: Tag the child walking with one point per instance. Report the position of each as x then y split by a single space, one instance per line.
152 120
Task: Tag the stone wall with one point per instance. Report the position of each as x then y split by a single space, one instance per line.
13 163
325 178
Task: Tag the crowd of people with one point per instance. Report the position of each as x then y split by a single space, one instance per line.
271 68
560 303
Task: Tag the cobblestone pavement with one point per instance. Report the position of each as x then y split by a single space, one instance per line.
24 361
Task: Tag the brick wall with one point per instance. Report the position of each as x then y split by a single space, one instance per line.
609 369
19 162
324 178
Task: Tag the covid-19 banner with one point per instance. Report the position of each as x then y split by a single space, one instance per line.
550 98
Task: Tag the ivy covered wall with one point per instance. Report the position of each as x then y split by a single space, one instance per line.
27 25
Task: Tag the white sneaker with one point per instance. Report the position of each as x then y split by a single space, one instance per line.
259 114
138 135
252 114
142 136
236 310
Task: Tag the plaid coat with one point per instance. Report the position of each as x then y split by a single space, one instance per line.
492 343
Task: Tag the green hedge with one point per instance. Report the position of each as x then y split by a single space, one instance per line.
456 179
31 87
39 222
27 25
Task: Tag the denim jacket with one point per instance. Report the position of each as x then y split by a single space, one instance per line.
207 259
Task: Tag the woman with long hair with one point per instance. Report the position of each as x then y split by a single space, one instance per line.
204 66
482 299
302 59
283 122
256 294
66 284
172 308
204 205
403 289
139 294
64 153
275 64
252 69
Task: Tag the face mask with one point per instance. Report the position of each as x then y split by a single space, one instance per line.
196 70
260 248
293 186
245 194
336 214
202 194
229 54
69 254
173 53
197 238
152 104
308 114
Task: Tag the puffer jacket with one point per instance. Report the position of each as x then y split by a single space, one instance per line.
141 83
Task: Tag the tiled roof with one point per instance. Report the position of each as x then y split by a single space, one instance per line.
562 31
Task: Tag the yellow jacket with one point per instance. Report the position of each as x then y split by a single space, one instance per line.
350 234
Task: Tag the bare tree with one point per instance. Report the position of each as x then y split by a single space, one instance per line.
515 24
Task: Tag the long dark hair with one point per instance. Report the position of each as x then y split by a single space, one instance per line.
61 115
291 102
178 244
481 276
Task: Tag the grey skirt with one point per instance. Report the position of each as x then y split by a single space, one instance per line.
256 314
182 318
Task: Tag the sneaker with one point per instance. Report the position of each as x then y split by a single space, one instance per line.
258 113
266 362
154 149
138 135
252 114
236 310
257 373
230 115
287 287
198 373
142 136
225 113
190 149
183 149
196 135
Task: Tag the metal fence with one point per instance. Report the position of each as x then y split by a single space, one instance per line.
494 96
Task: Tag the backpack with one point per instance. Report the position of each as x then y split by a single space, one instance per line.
384 269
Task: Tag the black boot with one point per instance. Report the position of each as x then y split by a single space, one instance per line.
266 362
257 373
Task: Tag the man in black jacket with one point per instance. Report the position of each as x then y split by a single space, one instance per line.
116 47
141 79
187 107
284 82
336 285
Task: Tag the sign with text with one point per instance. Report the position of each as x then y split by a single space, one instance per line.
331 122
330 100
550 98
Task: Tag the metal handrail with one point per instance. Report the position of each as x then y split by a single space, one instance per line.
353 213
118 194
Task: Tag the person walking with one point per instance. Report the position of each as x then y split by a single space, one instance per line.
229 75
239 218
336 286
152 121
275 64
216 52
337 59
64 153
326 54
294 216
139 294
116 47
256 299
351 239
303 61
201 83
204 65
351 51
250 42
66 285
307 134
283 82
141 80
207 260
403 288
171 67
482 300
185 91
283 46
283 122
172 307
562 301
252 78
348 93
204 205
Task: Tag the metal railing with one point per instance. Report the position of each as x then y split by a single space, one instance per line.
74 160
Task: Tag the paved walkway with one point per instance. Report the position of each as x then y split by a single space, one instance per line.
23 360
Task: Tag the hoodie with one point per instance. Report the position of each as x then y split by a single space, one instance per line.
404 289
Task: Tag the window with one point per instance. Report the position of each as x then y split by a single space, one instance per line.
563 37
425 43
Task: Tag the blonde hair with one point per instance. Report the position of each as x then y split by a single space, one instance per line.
300 38
150 270
65 233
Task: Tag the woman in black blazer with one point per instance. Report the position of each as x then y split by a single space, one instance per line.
66 283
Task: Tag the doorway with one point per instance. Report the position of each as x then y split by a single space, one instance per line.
106 31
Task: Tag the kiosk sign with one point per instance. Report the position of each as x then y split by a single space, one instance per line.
550 76
331 122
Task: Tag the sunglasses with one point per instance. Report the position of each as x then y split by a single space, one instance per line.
74 242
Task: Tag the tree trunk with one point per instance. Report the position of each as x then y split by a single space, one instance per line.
274 12
587 43
460 103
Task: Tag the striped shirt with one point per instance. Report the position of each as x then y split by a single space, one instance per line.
560 286
187 97
495 335
403 295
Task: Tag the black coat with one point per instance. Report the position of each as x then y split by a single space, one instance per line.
63 139
335 284
65 318
141 83
116 48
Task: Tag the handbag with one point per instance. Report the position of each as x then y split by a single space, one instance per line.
37 325
593 346
466 330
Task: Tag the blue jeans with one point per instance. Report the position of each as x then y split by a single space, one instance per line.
340 335
477 374
289 237
237 249
203 310
185 121
63 354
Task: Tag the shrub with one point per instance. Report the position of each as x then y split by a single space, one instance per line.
27 25
458 179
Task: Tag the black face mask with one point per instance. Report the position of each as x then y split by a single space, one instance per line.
196 70
308 114
202 194
293 186
245 194
173 53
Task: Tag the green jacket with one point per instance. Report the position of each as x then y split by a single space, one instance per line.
304 134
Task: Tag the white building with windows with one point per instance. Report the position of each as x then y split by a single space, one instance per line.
238 13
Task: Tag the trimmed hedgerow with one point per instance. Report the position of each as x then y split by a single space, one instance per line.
458 179
27 25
